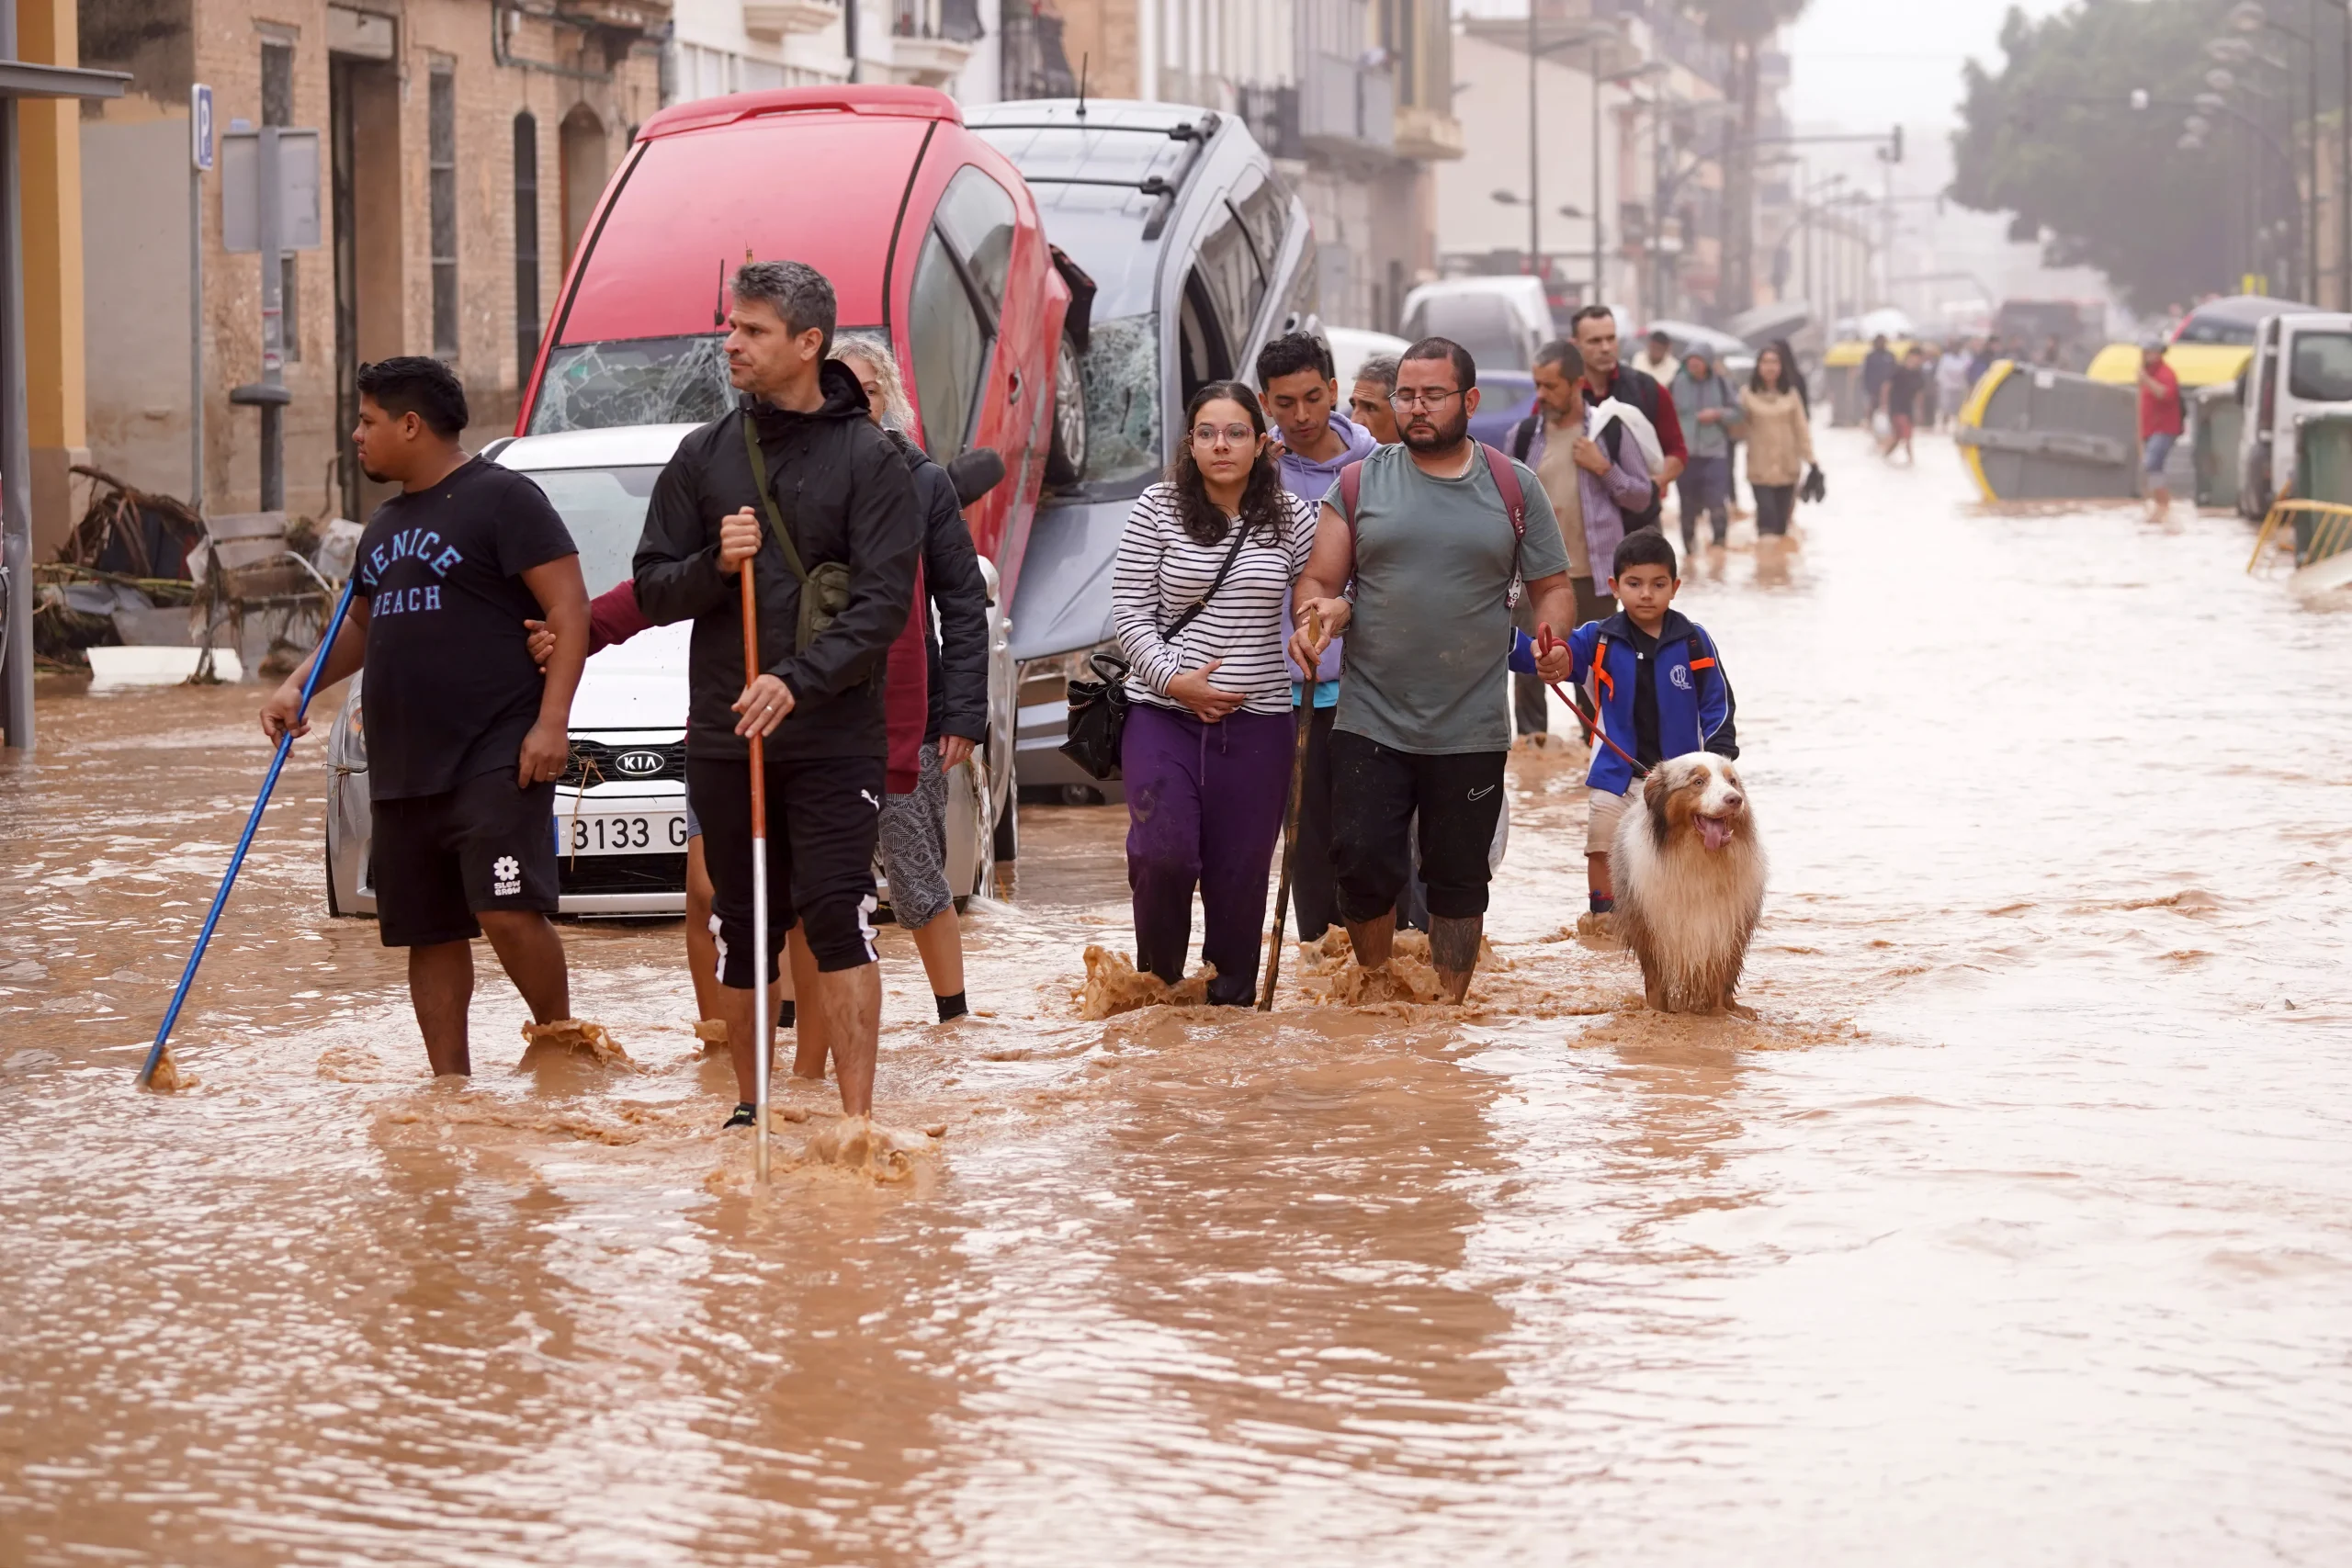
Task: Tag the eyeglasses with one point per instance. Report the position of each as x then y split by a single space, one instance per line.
1224 434
1420 400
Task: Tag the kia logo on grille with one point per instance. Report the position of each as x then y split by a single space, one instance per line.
637 764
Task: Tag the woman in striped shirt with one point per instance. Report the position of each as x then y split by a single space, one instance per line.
1204 572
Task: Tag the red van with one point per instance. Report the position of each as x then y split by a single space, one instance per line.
927 233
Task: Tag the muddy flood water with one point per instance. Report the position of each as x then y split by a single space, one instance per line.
2017 1229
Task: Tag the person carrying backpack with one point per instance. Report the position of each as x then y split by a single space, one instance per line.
1439 535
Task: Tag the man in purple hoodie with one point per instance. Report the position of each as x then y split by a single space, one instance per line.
1300 391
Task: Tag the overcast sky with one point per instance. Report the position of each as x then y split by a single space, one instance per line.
1867 63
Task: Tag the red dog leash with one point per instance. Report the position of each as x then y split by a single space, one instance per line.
1544 643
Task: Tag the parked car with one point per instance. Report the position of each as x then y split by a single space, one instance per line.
620 808
1198 253
2234 318
2301 366
929 236
1502 320
1351 346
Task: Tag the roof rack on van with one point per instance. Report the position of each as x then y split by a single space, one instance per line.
1199 132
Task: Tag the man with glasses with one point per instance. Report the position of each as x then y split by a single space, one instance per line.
1425 531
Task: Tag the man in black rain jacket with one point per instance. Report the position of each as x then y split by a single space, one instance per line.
841 492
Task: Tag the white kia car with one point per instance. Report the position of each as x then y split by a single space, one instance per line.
620 808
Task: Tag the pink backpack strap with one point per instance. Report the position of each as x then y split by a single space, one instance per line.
1351 492
1506 475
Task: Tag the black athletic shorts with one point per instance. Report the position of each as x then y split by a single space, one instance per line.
1374 792
437 859
824 819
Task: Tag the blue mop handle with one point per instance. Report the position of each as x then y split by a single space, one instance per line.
237 861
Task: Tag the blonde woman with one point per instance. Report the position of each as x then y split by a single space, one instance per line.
935 698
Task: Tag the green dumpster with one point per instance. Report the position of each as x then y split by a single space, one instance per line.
2322 472
2216 419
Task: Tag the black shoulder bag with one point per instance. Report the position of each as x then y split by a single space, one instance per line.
824 592
1098 709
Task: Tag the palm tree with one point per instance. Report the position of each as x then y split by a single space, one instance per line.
1745 26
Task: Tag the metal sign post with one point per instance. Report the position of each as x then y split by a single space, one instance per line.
269 205
199 126
21 79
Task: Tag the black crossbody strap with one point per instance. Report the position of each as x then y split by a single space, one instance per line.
767 500
1240 533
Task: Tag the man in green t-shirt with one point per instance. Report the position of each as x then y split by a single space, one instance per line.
1424 720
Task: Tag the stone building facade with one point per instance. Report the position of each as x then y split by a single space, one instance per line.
463 146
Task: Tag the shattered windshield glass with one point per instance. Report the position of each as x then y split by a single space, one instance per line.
1122 404
651 380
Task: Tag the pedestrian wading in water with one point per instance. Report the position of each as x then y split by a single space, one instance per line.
1663 692
1438 536
1780 449
832 596
465 737
1198 594
1300 396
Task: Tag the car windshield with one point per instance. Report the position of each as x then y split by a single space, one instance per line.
645 380
604 510
2321 370
1122 404
2216 329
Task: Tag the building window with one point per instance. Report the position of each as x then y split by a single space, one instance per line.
527 245
277 108
441 179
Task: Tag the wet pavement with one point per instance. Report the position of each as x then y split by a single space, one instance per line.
2018 1227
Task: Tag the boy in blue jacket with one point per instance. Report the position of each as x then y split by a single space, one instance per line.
1661 688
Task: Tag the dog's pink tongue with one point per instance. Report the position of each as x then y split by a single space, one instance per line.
1713 832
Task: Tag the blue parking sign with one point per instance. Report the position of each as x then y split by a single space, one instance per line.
200 127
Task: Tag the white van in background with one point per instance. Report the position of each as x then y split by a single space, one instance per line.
1501 320
2301 366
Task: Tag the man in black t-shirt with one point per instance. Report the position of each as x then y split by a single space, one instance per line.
466 738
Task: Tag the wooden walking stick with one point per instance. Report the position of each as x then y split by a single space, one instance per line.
763 1045
1290 823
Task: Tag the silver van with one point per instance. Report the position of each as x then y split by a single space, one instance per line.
2301 366
1199 253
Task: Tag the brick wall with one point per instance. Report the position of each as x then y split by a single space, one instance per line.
141 407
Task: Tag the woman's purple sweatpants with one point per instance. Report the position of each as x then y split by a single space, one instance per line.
1205 807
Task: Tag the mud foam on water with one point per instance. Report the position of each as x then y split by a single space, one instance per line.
167 1078
856 1147
575 1040
1113 985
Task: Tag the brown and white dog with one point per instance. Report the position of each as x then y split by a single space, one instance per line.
1688 872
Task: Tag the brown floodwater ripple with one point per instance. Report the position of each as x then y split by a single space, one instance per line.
2016 1227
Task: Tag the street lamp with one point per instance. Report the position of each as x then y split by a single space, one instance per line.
1594 35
